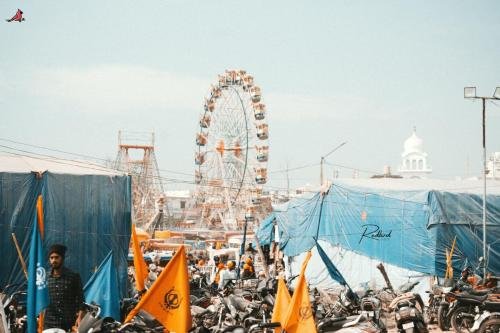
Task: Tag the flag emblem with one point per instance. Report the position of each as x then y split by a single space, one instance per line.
305 311
172 300
41 277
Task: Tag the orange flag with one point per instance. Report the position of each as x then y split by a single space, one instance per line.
141 270
39 211
281 304
299 317
168 298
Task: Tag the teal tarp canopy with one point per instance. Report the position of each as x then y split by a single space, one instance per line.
407 228
88 213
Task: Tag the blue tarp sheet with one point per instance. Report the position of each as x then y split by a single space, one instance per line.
90 214
409 229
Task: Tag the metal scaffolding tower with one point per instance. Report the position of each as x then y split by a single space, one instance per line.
136 156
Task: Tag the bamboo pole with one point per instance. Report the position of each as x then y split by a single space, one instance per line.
451 256
263 258
20 255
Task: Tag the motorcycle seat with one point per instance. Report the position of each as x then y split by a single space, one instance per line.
334 324
436 290
492 306
467 298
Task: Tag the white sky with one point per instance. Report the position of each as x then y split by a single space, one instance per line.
366 72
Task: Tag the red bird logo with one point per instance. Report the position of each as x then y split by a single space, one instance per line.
18 17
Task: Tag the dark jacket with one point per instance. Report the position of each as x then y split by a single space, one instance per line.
66 299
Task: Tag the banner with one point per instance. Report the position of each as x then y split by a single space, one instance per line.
38 292
168 298
141 270
102 289
281 304
299 317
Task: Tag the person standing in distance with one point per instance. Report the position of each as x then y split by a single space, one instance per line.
65 292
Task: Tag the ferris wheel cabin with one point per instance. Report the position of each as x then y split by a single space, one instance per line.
259 111
261 175
263 131
262 153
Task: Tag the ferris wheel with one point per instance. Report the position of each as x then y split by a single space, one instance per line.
232 151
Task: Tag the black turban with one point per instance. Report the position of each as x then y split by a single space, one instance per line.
59 249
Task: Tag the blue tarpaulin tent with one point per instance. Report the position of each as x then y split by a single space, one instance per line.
87 208
405 222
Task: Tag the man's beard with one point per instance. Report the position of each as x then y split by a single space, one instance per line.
56 265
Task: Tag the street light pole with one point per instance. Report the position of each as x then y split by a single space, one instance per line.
321 171
323 161
470 92
484 187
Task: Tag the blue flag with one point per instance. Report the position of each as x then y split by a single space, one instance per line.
332 270
102 289
38 292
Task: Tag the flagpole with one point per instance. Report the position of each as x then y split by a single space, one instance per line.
20 255
263 258
242 248
323 195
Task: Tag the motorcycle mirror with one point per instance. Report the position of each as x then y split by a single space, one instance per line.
481 263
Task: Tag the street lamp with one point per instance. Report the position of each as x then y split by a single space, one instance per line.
323 160
470 92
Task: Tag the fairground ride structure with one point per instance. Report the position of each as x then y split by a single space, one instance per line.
232 151
136 156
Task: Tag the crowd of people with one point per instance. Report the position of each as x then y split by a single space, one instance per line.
220 269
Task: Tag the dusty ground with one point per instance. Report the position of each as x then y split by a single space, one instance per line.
435 328
432 327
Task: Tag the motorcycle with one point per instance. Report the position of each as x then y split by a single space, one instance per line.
486 322
371 308
357 323
462 310
92 322
447 303
438 306
408 313
14 307
346 305
199 284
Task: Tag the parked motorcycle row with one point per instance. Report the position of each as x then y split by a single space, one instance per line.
466 308
13 310
246 306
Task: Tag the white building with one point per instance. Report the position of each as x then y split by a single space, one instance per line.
493 166
414 159
178 202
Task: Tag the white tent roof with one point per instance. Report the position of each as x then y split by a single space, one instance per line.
472 186
24 164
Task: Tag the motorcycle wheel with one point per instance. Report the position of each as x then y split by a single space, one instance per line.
491 325
462 320
422 327
429 314
443 322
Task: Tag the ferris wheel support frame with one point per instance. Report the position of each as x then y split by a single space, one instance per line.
228 197
246 152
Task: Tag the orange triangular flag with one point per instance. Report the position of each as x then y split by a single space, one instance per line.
168 298
39 212
281 304
299 317
304 263
141 270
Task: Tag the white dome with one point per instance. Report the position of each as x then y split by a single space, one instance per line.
414 144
